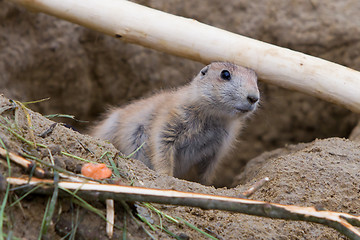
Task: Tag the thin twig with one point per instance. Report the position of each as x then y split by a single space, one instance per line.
110 216
65 173
48 131
85 147
255 187
342 222
28 165
213 233
39 172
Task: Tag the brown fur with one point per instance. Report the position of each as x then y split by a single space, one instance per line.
189 129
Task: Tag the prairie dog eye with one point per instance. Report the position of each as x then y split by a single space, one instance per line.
225 74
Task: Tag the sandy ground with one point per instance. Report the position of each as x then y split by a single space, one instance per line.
321 173
83 72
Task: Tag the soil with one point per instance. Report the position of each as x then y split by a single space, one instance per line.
321 173
300 142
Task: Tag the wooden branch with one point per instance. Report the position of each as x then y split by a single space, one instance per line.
200 42
40 172
28 165
342 222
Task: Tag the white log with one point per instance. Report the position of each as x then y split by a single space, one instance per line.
343 222
200 42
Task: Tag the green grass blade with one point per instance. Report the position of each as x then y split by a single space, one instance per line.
9 236
85 204
197 229
112 166
116 171
4 201
54 167
36 101
81 202
27 193
51 206
2 209
22 138
103 155
58 115
74 228
136 150
151 207
44 219
128 210
169 232
32 171
146 221
6 120
124 228
76 157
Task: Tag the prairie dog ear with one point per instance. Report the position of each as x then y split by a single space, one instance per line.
204 70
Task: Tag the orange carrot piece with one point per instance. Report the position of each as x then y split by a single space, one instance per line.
96 171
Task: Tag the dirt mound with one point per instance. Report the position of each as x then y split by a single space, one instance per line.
323 172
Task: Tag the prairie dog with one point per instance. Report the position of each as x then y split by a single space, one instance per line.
190 128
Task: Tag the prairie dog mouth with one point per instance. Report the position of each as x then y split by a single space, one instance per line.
243 110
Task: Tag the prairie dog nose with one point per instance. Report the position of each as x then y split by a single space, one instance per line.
252 98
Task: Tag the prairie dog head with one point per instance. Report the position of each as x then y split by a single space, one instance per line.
228 89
